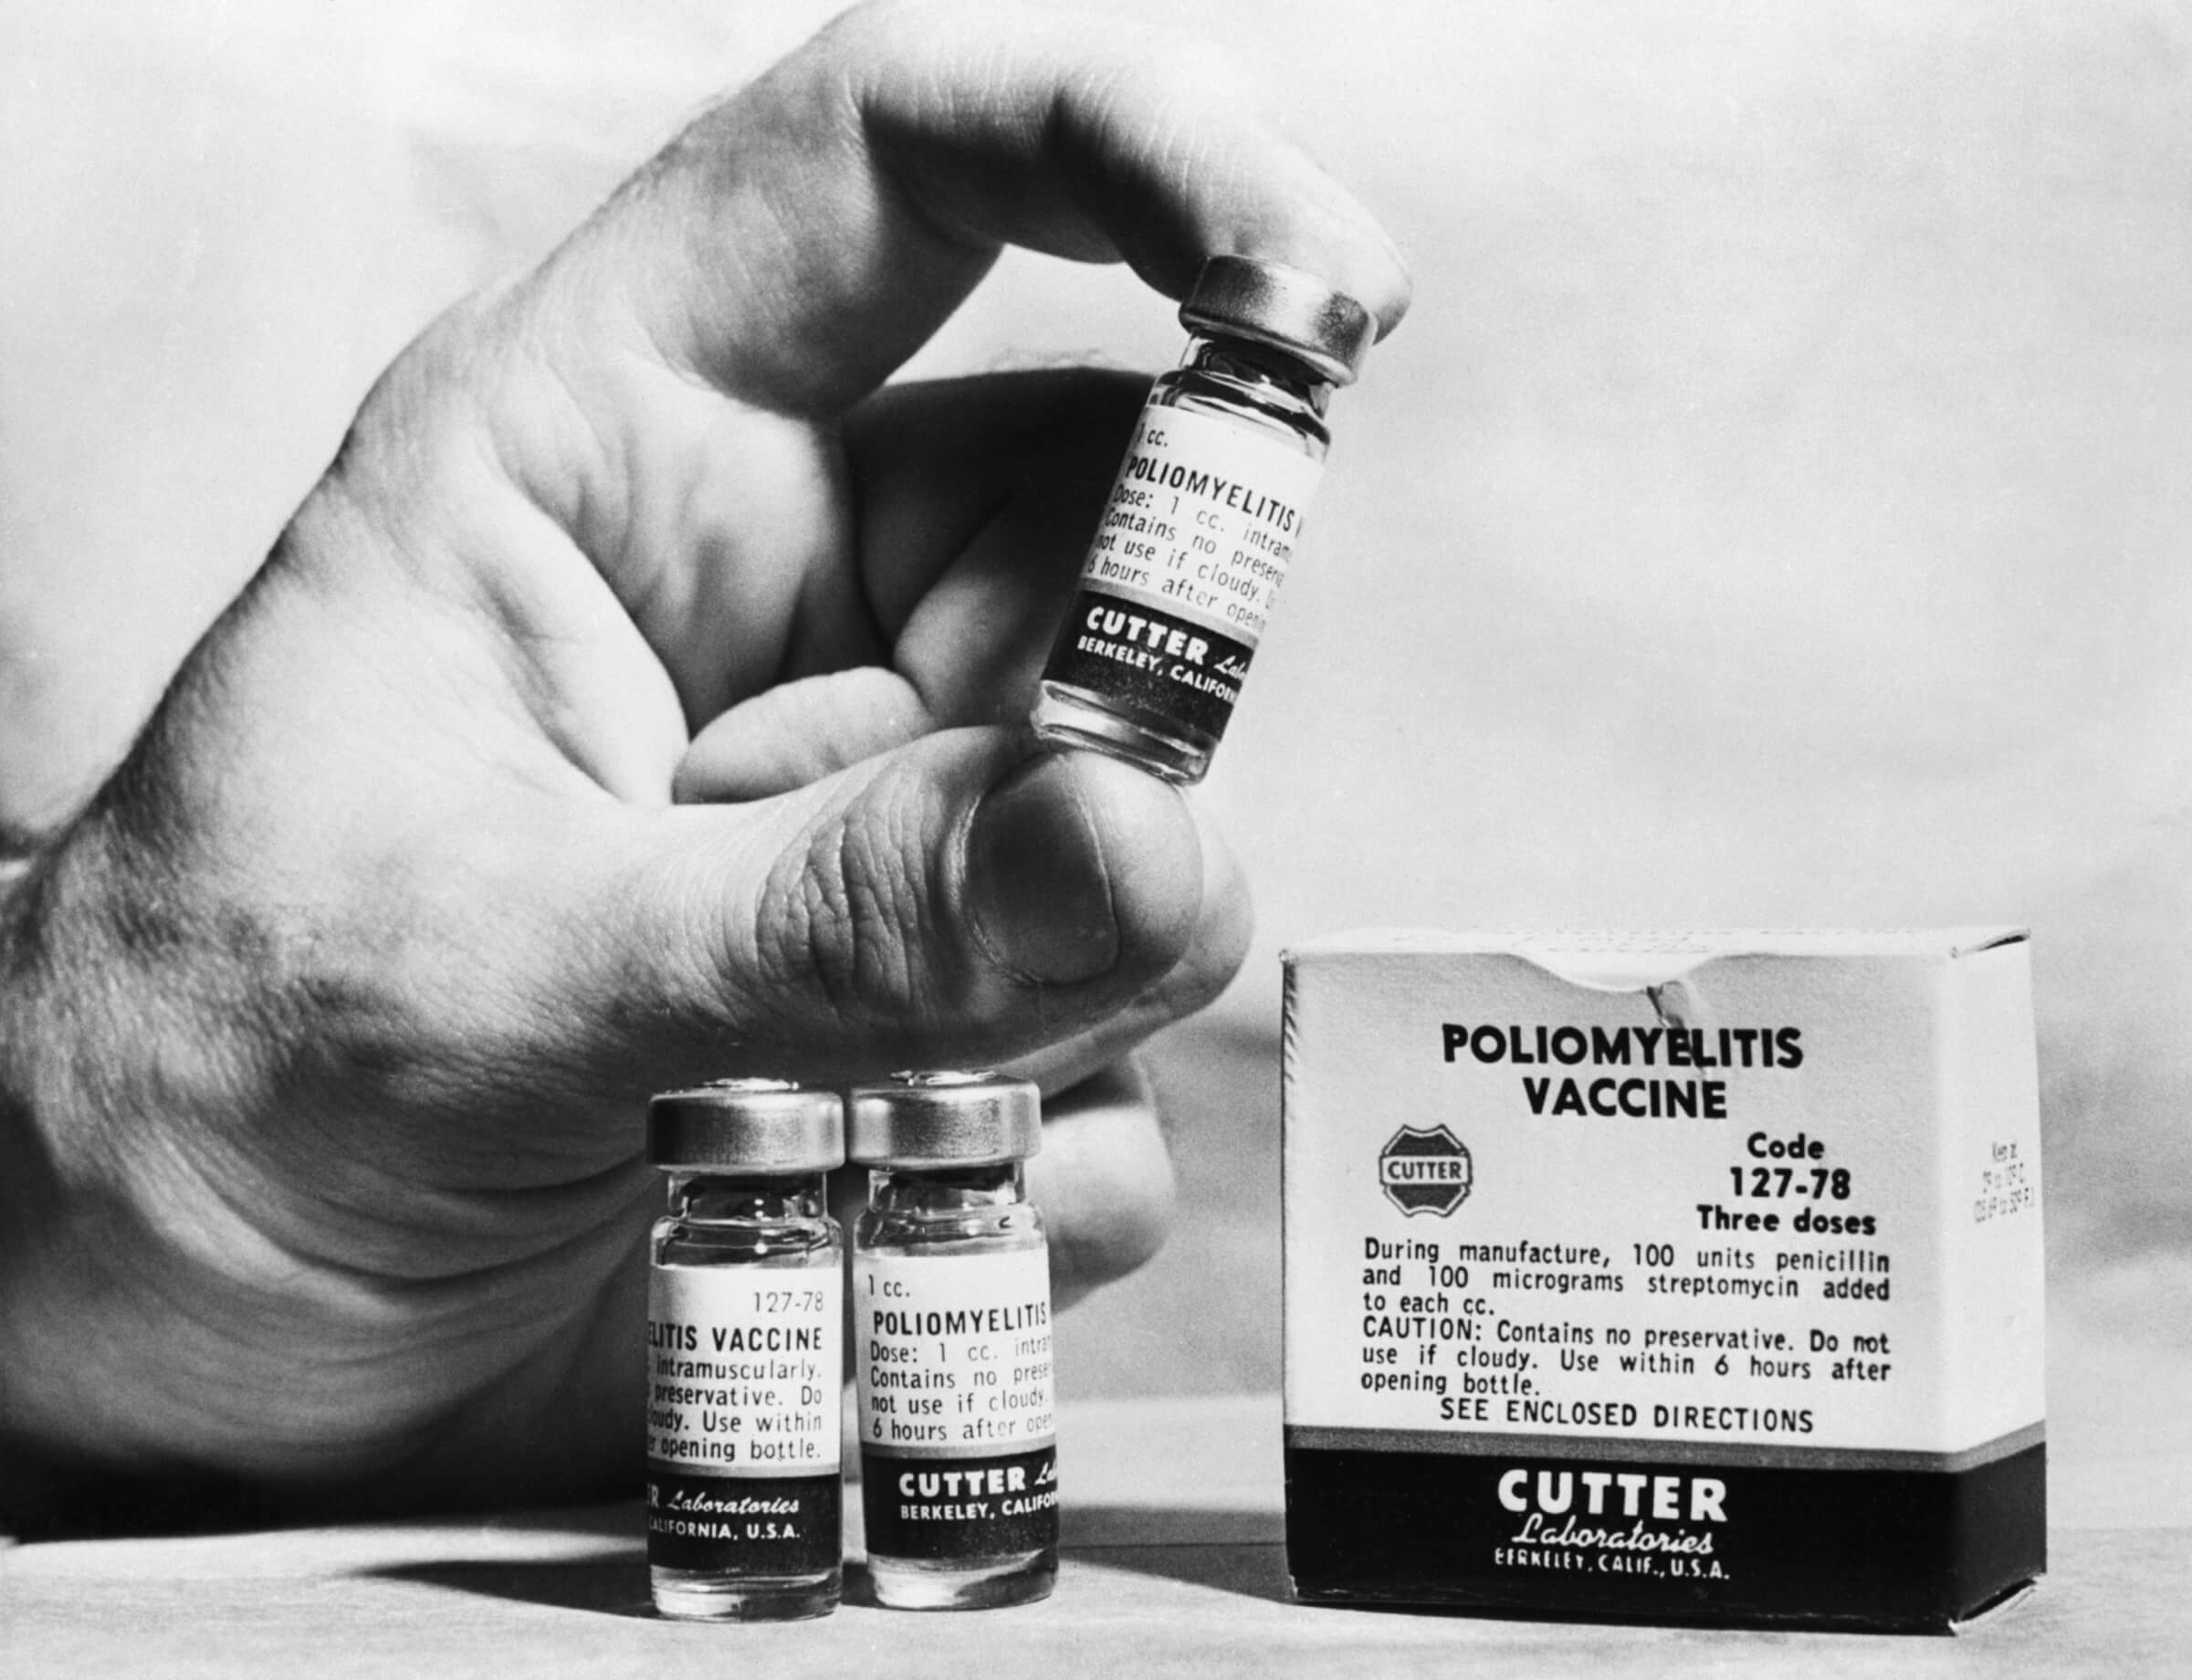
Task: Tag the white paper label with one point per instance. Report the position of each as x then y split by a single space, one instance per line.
954 1352
744 1368
1785 1203
1202 520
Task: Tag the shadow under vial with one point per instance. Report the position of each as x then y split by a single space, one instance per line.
1227 1552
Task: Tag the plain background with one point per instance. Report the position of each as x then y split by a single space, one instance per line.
1776 510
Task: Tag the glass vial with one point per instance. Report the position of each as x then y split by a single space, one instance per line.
1202 520
951 1321
745 1354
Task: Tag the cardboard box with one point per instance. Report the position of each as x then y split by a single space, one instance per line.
1690 1277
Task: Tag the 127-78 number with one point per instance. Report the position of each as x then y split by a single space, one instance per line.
1819 1183
787 1300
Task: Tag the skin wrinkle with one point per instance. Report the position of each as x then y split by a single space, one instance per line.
362 1302
887 937
512 1228
292 1227
560 1134
452 1296
417 1375
397 435
697 999
441 1458
850 931
763 213
646 594
583 519
682 987
432 563
233 1256
43 1397
494 694
806 914
496 596
330 1137
527 662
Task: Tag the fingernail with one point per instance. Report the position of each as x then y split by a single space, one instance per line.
1038 886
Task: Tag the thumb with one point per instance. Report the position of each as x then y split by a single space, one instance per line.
962 900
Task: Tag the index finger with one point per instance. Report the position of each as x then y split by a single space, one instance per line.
802 239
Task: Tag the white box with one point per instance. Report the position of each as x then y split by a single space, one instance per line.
1690 1276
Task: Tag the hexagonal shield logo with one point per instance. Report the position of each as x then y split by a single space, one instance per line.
1425 1171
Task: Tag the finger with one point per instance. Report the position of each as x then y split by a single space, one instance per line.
964 901
799 732
801 240
975 500
1217 945
1103 1180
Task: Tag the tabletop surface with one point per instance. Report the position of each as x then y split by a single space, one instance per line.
1173 1564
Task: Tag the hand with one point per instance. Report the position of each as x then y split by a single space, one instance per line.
327 1031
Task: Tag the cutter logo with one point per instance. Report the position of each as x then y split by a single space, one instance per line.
1425 1171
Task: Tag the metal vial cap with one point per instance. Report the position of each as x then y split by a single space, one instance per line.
746 1125
1269 303
945 1119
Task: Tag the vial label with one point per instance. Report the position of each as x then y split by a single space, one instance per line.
942 1510
1185 567
957 1417
744 1367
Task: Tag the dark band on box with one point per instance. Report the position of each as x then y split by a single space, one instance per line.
1737 1537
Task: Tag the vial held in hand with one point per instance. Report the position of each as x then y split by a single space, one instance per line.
952 1320
745 1354
1202 520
